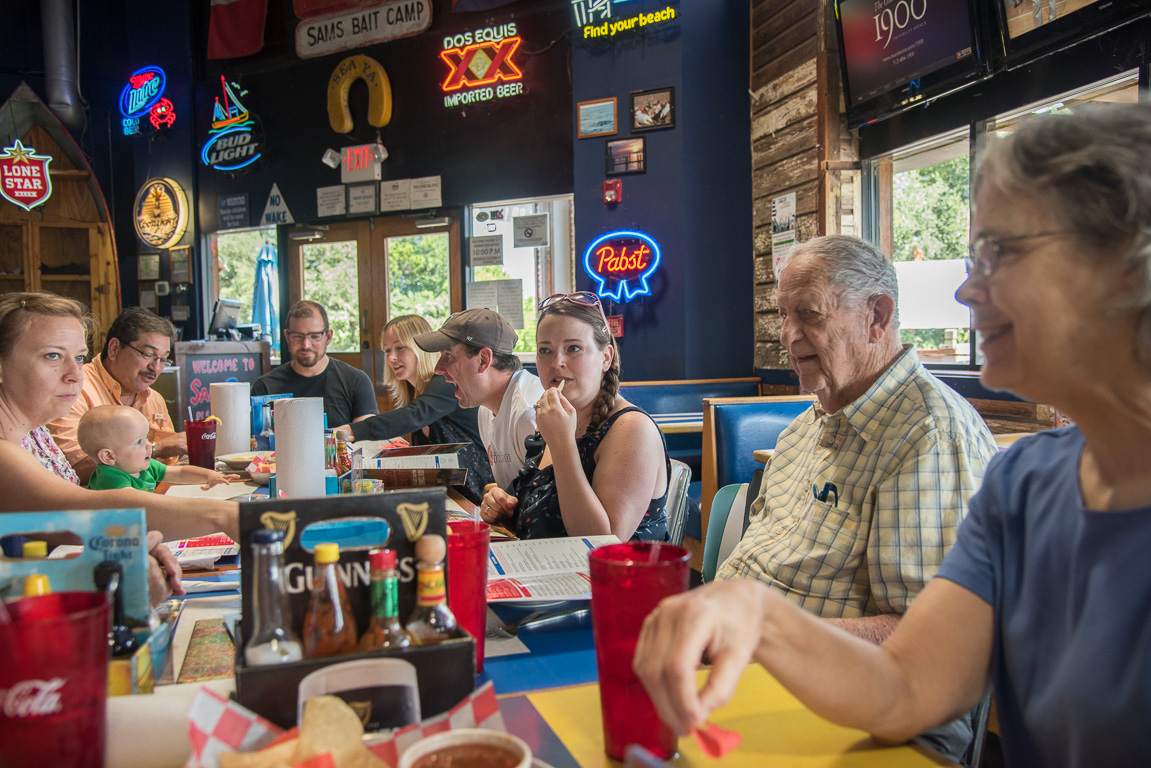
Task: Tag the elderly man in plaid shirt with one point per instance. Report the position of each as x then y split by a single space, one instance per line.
865 491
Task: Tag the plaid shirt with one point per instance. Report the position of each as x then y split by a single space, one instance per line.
895 469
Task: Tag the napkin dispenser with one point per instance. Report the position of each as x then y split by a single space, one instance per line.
445 672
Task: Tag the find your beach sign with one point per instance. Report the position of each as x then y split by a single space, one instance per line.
621 263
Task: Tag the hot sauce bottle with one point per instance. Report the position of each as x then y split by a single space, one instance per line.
385 630
329 627
432 621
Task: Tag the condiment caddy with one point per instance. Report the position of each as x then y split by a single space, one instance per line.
359 524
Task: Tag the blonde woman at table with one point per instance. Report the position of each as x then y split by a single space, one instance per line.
598 464
425 405
1046 593
43 345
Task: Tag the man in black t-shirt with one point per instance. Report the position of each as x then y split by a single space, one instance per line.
348 393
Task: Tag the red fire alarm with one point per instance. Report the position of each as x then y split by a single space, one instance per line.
612 191
615 325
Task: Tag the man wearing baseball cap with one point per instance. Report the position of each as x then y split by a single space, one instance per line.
476 356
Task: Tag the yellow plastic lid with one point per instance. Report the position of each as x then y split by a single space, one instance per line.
35 549
36 584
327 552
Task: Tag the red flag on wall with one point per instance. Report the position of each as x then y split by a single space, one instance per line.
306 9
236 28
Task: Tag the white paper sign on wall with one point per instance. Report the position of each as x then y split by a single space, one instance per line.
530 231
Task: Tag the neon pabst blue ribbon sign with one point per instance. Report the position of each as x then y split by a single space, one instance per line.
620 263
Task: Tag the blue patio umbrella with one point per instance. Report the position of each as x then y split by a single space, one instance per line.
266 297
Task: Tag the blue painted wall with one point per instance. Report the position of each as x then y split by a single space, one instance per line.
694 198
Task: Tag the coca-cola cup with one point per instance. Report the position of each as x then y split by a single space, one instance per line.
201 442
54 680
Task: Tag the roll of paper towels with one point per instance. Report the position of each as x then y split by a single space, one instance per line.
300 446
232 405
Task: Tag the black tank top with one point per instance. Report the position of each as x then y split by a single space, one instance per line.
538 513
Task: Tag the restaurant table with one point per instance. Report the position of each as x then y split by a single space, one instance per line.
678 423
763 455
549 698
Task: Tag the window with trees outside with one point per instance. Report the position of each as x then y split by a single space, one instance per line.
527 273
236 262
926 188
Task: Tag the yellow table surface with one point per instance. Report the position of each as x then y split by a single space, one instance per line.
778 731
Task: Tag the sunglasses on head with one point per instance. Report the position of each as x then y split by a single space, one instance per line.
584 298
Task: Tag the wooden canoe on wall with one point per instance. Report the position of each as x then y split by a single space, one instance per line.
64 245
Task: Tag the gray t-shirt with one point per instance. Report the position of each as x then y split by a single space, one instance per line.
347 391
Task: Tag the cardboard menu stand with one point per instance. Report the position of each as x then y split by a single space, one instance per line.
445 672
105 534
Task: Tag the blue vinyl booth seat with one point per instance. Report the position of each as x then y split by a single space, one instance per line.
685 396
733 429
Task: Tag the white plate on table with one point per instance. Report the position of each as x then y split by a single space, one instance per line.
242 460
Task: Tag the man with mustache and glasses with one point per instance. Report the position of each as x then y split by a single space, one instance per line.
138 346
347 391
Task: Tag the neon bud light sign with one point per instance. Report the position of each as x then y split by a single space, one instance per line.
620 263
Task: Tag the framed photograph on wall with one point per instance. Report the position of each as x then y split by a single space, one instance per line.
596 118
149 267
626 155
181 264
652 110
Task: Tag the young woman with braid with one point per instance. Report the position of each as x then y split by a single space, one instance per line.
598 464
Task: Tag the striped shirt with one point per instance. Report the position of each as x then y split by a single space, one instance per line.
858 507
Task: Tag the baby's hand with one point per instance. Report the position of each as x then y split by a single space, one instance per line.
215 478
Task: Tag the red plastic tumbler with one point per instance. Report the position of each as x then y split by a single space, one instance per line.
54 680
201 442
627 582
468 579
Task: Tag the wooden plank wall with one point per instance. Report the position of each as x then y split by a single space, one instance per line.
798 141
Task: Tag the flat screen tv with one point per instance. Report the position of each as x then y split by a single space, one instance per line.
225 318
897 54
1031 29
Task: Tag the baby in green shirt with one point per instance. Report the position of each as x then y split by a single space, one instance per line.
116 437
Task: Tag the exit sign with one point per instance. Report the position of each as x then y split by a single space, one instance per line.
362 163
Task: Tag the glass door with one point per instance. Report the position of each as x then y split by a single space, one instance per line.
367 271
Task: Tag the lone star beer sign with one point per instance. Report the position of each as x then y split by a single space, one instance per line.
24 176
620 263
478 60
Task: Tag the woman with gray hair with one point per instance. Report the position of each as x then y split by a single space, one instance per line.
1044 594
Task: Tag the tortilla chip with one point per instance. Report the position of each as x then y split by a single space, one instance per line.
330 725
269 757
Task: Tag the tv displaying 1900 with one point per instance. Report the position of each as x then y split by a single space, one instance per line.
888 43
